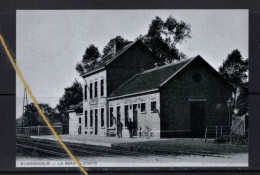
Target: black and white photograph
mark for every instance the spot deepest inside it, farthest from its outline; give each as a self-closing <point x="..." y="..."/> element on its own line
<point x="133" y="88"/>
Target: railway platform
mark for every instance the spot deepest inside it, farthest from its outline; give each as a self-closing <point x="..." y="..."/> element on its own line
<point x="97" y="140"/>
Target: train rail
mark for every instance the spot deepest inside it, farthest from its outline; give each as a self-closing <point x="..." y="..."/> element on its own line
<point x="81" y="150"/>
<point x="43" y="147"/>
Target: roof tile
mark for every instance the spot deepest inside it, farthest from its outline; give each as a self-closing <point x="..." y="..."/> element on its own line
<point x="149" y="79"/>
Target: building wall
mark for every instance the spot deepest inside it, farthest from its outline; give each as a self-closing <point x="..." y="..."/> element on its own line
<point x="132" y="61"/>
<point x="74" y="123"/>
<point x="95" y="103"/>
<point x="148" y="118"/>
<point x="175" y="95"/>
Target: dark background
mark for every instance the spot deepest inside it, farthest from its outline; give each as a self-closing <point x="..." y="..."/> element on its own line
<point x="7" y="78"/>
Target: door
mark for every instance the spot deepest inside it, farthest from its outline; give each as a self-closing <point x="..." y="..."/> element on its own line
<point x="197" y="118"/>
<point x="96" y="122"/>
<point x="135" y="119"/>
<point x="79" y="129"/>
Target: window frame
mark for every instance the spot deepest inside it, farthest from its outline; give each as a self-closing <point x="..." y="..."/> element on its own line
<point x="94" y="119"/>
<point x="91" y="90"/>
<point x="95" y="89"/>
<point x="118" y="112"/>
<point x="143" y="112"/>
<point x="86" y="119"/>
<point x="85" y="92"/>
<point x="111" y="112"/>
<point x="102" y="87"/>
<point x="126" y="116"/>
<point x="91" y="118"/>
<point x="152" y="111"/>
<point x="102" y="117"/>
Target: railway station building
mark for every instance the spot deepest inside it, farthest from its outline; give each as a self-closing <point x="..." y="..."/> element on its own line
<point x="175" y="100"/>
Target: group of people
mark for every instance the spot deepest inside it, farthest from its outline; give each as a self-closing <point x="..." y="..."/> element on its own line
<point x="130" y="127"/>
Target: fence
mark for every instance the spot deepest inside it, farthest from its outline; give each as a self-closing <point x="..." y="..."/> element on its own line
<point x="37" y="130"/>
<point x="216" y="131"/>
<point x="239" y="125"/>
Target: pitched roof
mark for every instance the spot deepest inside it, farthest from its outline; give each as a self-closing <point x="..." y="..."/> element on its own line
<point x="107" y="59"/>
<point x="150" y="79"/>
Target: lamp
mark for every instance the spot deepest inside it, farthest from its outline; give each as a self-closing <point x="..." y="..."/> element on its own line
<point x="229" y="102"/>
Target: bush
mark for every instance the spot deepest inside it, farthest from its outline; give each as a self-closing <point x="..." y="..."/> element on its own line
<point x="236" y="139"/>
<point x="239" y="140"/>
<point x="223" y="139"/>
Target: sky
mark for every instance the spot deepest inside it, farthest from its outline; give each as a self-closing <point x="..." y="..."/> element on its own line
<point x="49" y="43"/>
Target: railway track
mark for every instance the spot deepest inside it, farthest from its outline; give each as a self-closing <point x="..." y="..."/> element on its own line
<point x="52" y="148"/>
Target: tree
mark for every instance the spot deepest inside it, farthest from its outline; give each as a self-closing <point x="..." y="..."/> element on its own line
<point x="120" y="43"/>
<point x="242" y="100"/>
<point x="235" y="71"/>
<point x="163" y="36"/>
<point x="72" y="96"/>
<point x="89" y="59"/>
<point x="33" y="118"/>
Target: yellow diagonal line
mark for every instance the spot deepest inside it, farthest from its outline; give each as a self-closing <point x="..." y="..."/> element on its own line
<point x="38" y="107"/>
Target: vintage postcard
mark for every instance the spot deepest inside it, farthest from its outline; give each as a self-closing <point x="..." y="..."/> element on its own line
<point x="133" y="88"/>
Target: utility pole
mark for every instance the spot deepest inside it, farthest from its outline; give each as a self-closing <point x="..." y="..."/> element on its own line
<point x="25" y="103"/>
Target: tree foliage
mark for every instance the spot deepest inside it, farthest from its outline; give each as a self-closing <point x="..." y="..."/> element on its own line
<point x="118" y="41"/>
<point x="242" y="100"/>
<point x="32" y="117"/>
<point x="72" y="96"/>
<point x="235" y="71"/>
<point x="163" y="36"/>
<point x="89" y="59"/>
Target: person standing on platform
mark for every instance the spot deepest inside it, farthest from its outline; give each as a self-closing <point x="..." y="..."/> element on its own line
<point x="119" y="128"/>
<point x="130" y="128"/>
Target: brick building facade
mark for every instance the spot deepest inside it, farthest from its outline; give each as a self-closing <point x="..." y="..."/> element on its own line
<point x="175" y="100"/>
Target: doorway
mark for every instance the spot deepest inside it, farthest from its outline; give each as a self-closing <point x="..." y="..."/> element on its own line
<point x="135" y="119"/>
<point x="197" y="118"/>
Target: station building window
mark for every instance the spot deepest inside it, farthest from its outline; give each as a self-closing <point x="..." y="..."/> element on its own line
<point x="96" y="90"/>
<point x="91" y="118"/>
<point x="118" y="113"/>
<point x="126" y="115"/>
<point x="102" y="117"/>
<point x="86" y="119"/>
<point x="143" y="107"/>
<point x="85" y="92"/>
<point x="91" y="90"/>
<point x="102" y="88"/>
<point x="153" y="106"/>
<point x="111" y="116"/>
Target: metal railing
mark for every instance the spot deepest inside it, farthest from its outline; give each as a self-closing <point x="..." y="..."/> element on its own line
<point x="37" y="130"/>
<point x="216" y="131"/>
